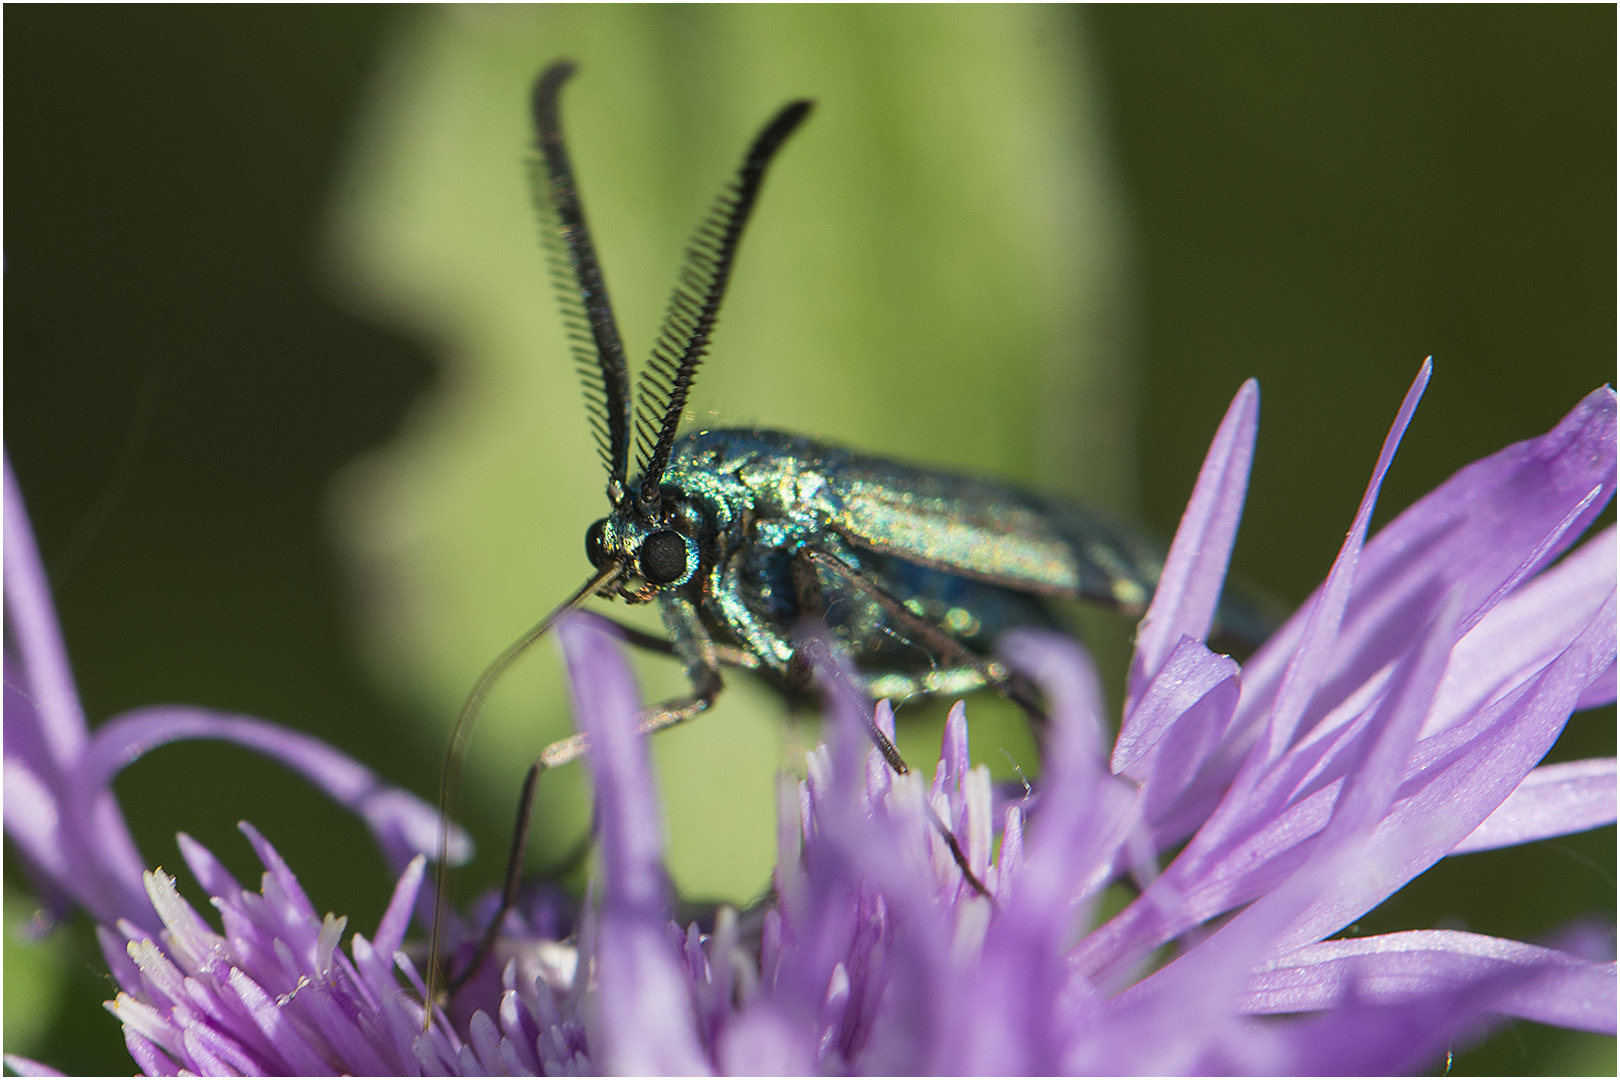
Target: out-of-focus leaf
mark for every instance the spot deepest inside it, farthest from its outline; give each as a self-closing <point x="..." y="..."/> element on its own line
<point x="35" y="978"/>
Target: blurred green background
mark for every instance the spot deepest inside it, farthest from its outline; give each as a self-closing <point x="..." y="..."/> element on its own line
<point x="285" y="402"/>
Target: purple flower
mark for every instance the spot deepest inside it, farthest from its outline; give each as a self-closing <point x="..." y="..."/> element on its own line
<point x="61" y="813"/>
<point x="1398" y="717"/>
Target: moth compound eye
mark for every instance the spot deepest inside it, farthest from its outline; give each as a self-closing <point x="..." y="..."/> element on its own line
<point x="593" y="544"/>
<point x="663" y="557"/>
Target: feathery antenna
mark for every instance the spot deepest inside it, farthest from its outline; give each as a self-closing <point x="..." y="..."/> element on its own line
<point x="593" y="334"/>
<point x="684" y="336"/>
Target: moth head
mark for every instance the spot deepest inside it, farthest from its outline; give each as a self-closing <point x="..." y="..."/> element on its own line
<point x="660" y="555"/>
<point x="638" y="539"/>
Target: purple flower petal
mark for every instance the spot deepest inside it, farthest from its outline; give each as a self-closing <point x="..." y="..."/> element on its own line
<point x="1175" y="728"/>
<point x="1200" y="985"/>
<point x="1523" y="633"/>
<point x="34" y="820"/>
<point x="644" y="1020"/>
<point x="209" y="871"/>
<point x="59" y="806"/>
<point x="275" y="1026"/>
<point x="1445" y="796"/>
<point x="1357" y="1038"/>
<point x="1190" y="585"/>
<point x="953" y="752"/>
<point x="1600" y="692"/>
<point x="1085" y="813"/>
<point x="45" y="734"/>
<point x="1309" y="663"/>
<point x="1440" y="809"/>
<point x="403" y="824"/>
<point x="152" y="1061"/>
<point x="1009" y="1012"/>
<point x="196" y="948"/>
<point x="763" y="1043"/>
<point x="1479" y="528"/>
<point x="32" y="617"/>
<point x="396" y="919"/>
<point x="1263" y="819"/>
<point x="1553" y="800"/>
<point x="1391" y="969"/>
<point x="1283" y="677"/>
<point x="1488" y="524"/>
<point x="629" y="819"/>
<point x="28" y="1066"/>
<point x="115" y="949"/>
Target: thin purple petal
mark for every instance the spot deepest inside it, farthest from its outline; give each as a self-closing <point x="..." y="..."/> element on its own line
<point x="397" y="917"/>
<point x="1523" y="633"/>
<point x="1553" y="800"/>
<point x="1308" y="665"/>
<point x="629" y="818"/>
<point x="403" y="824"/>
<point x="152" y="1061"/>
<point x="28" y="1066"/>
<point x="1010" y="1012"/>
<point x="1477" y="529"/>
<point x="1360" y="1039"/>
<point x="1199" y="986"/>
<point x="1190" y="585"/>
<point x="1450" y="801"/>
<point x="763" y="1043"/>
<point x="644" y="1018"/>
<point x="32" y="619"/>
<point x="33" y="816"/>
<point x="85" y="854"/>
<point x="1176" y="726"/>
<point x="1555" y="988"/>
<point x="1600" y="692"/>
<point x="1084" y="812"/>
<point x="209" y="871"/>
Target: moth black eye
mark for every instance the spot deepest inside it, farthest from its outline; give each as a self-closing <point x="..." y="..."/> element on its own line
<point x="663" y="557"/>
<point x="593" y="544"/>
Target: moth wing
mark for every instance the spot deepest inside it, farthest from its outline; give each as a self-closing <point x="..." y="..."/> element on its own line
<point x="993" y="532"/>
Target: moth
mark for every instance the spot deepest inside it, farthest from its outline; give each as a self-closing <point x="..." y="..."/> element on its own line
<point x="739" y="535"/>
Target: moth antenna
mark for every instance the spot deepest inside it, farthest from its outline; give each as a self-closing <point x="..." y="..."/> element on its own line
<point x="456" y="753"/>
<point x="689" y="320"/>
<point x="593" y="333"/>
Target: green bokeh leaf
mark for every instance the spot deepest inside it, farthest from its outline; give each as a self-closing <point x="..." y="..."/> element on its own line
<point x="35" y="976"/>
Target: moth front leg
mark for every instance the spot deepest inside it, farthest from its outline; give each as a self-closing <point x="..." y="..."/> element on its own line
<point x="727" y="655"/>
<point x="690" y="641"/>
<point x="697" y="652"/>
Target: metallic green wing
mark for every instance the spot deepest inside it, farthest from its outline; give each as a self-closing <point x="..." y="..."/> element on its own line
<point x="991" y="531"/>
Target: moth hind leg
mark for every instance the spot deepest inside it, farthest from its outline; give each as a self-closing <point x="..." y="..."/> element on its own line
<point x="1009" y="684"/>
<point x="811" y="602"/>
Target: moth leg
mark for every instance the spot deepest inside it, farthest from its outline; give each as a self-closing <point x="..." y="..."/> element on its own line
<point x="514" y="871"/>
<point x="562" y="752"/>
<point x="725" y="655"/>
<point x="1009" y="684"/>
<point x="702" y="657"/>
<point x="558" y="753"/>
<point x="811" y="602"/>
